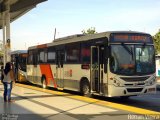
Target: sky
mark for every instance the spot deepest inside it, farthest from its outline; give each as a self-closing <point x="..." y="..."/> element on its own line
<point x="72" y="16"/>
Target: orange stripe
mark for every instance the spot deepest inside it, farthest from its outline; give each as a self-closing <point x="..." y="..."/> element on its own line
<point x="46" y="70"/>
<point x="42" y="46"/>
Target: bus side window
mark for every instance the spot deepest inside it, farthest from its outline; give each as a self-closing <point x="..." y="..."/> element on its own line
<point x="51" y="56"/>
<point x="42" y="55"/>
<point x="73" y="53"/>
<point x="30" y="57"/>
<point x="85" y="53"/>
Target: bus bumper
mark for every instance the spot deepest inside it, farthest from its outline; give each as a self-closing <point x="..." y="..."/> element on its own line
<point x="114" y="91"/>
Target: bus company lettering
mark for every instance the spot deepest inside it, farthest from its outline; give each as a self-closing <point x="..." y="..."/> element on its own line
<point x="85" y="66"/>
<point x="68" y="73"/>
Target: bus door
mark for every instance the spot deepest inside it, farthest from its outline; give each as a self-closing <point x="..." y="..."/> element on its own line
<point x="97" y="69"/>
<point x="35" y="67"/>
<point x="59" y="68"/>
<point x="16" y="67"/>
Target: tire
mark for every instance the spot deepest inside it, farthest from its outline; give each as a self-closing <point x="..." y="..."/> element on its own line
<point x="44" y="84"/>
<point x="85" y="89"/>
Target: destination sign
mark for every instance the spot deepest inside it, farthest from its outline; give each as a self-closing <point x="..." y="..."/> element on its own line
<point x="131" y="38"/>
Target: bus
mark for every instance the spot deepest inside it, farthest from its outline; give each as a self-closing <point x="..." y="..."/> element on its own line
<point x="117" y="63"/>
<point x="19" y="60"/>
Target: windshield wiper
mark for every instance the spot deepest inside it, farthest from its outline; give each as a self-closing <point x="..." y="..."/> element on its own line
<point x="144" y="46"/>
<point x="128" y="50"/>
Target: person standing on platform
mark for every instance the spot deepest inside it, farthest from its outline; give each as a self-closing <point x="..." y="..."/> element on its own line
<point x="8" y="81"/>
<point x="2" y="74"/>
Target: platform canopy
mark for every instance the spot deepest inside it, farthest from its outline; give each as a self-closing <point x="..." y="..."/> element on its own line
<point x="17" y="8"/>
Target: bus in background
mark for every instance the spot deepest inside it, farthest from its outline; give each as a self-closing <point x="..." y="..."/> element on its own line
<point x="19" y="60"/>
<point x="120" y="63"/>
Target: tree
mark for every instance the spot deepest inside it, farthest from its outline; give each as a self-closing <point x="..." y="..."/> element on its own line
<point x="156" y="39"/>
<point x="89" y="31"/>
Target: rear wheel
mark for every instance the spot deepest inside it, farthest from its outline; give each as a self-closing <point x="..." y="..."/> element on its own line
<point x="44" y="83"/>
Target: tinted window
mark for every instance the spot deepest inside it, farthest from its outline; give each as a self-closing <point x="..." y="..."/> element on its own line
<point x="30" y="57"/>
<point x="42" y="56"/>
<point x="132" y="59"/>
<point x="73" y="51"/>
<point x="85" y="53"/>
<point x="51" y="55"/>
<point x="35" y="57"/>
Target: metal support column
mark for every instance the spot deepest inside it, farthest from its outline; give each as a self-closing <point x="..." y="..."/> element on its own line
<point x="4" y="38"/>
<point x="8" y="45"/>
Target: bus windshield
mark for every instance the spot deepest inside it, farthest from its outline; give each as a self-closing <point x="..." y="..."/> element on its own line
<point x="132" y="59"/>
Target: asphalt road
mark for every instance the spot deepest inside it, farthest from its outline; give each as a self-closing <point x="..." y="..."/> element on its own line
<point x="149" y="102"/>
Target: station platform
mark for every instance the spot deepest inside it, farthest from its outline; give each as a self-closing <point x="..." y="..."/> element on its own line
<point x="36" y="105"/>
<point x="42" y="104"/>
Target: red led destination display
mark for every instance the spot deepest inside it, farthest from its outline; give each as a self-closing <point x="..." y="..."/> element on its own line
<point x="131" y="38"/>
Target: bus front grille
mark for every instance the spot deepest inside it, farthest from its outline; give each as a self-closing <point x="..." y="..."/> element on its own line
<point x="140" y="84"/>
<point x="134" y="89"/>
<point x="133" y="79"/>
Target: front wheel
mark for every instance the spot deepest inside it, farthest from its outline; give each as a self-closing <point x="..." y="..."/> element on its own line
<point x="85" y="89"/>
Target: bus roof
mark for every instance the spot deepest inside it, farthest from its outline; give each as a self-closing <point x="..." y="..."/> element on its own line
<point x="90" y="36"/>
<point x="18" y="52"/>
<point x="83" y="37"/>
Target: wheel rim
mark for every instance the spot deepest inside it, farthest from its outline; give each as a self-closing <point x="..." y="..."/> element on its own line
<point x="44" y="83"/>
<point x="85" y="89"/>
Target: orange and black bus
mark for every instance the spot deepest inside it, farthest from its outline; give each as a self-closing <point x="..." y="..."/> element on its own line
<point x="19" y="60"/>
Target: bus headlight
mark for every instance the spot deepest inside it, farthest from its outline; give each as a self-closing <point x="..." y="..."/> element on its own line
<point x="151" y="81"/>
<point x="117" y="83"/>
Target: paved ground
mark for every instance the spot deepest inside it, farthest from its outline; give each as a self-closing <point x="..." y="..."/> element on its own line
<point x="35" y="105"/>
<point x="32" y="103"/>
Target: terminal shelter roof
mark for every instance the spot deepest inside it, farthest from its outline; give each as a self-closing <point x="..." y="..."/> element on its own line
<point x="17" y="8"/>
